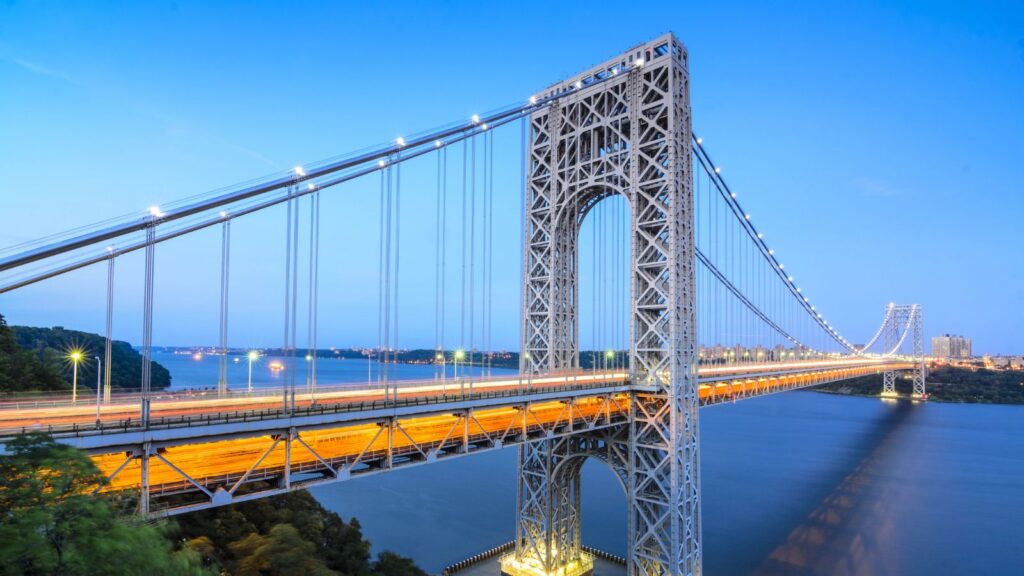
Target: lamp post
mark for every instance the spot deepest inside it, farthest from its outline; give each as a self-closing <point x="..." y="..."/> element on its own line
<point x="99" y="388"/>
<point x="253" y="356"/>
<point x="459" y="355"/>
<point x="76" y="356"/>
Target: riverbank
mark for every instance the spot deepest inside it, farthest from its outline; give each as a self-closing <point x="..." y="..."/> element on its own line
<point x="950" y="384"/>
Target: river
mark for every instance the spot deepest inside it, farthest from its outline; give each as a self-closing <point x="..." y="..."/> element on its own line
<point x="794" y="483"/>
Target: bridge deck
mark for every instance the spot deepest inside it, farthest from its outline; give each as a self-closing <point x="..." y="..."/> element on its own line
<point x="208" y="451"/>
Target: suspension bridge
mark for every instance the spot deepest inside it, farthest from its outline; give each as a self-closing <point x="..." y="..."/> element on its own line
<point x="689" y="307"/>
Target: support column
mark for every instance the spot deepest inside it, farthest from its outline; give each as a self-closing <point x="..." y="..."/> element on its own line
<point x="891" y="333"/>
<point x="917" y="322"/>
<point x="628" y="135"/>
<point x="548" y="523"/>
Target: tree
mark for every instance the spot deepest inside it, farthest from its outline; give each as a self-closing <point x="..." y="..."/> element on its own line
<point x="53" y="522"/>
<point x="391" y="564"/>
<point x="51" y="346"/>
<point x="282" y="551"/>
<point x="20" y="370"/>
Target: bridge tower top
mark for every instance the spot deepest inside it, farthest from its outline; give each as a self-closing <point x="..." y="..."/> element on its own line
<point x="666" y="44"/>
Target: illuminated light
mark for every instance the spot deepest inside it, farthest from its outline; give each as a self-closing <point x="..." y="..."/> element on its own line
<point x="439" y="356"/>
<point x="381" y="163"/>
<point x="223" y="214"/>
<point x="615" y="71"/>
<point x="484" y="126"/>
<point x="237" y="360"/>
<point x="460" y="354"/>
<point x="437" y="143"/>
<point x="771" y="252"/>
<point x="75" y="355"/>
<point x="310" y="186"/>
<point x="253" y="355"/>
<point x="782" y="266"/>
<point x="747" y="216"/>
<point x="533" y="99"/>
<point x="400" y="141"/>
<point x="309" y="357"/>
<point x="733" y="194"/>
<point x="798" y="289"/>
<point x="718" y="170"/>
<point x="609" y="354"/>
<point x="155" y="212"/>
<point x="276" y="366"/>
<point x="700" y="141"/>
<point x="299" y="171"/>
<point x="579" y="84"/>
<point x="475" y="119"/>
<point x="197" y="356"/>
<point x="110" y="248"/>
<point x="759" y="235"/>
<point x="639" y="62"/>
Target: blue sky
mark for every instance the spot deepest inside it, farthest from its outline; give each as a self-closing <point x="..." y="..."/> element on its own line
<point x="878" y="144"/>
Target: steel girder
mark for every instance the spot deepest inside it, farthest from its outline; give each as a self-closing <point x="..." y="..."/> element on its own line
<point x="179" y="476"/>
<point x="628" y="136"/>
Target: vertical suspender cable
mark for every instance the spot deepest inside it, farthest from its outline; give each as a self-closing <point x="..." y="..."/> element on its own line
<point x="398" y="229"/>
<point x="387" y="281"/>
<point x="107" y="350"/>
<point x="147" y="320"/>
<point x="483" y="263"/>
<point x="380" y="284"/>
<point x="444" y="253"/>
<point x="472" y="257"/>
<point x="314" y="291"/>
<point x="490" y="261"/>
<point x="287" y="289"/>
<point x="437" y="272"/>
<point x="225" y="254"/>
<point x="462" y="295"/>
<point x="295" y="303"/>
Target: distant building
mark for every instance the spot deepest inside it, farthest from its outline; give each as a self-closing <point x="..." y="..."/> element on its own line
<point x="951" y="346"/>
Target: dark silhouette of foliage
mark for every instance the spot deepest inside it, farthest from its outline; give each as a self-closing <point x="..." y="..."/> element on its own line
<point x="20" y="369"/>
<point x="946" y="384"/>
<point x="51" y="522"/>
<point x="286" y="534"/>
<point x="50" y="347"/>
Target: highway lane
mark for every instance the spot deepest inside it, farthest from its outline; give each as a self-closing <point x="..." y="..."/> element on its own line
<point x="15" y="417"/>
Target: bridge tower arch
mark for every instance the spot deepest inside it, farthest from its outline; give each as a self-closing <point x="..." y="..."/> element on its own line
<point x="629" y="133"/>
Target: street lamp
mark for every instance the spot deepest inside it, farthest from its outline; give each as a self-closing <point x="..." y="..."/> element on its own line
<point x="76" y="357"/>
<point x="608" y="356"/>
<point x="459" y="355"/>
<point x="253" y="356"/>
<point x="99" y="371"/>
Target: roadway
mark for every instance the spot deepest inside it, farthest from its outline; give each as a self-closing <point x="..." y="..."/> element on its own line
<point x="59" y="415"/>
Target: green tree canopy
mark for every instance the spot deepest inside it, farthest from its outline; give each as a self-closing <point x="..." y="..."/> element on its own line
<point x="50" y="348"/>
<point x="20" y="370"/>
<point x="52" y="522"/>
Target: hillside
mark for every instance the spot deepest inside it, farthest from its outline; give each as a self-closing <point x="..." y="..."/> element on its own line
<point x="35" y="359"/>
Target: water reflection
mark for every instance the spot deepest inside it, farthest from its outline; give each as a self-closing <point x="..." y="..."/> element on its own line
<point x="850" y="531"/>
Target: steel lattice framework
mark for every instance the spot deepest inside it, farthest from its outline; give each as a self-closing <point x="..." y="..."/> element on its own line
<point x="631" y="136"/>
<point x="901" y="321"/>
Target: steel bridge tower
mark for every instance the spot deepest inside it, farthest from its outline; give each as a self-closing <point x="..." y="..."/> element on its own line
<point x="630" y="135"/>
<point x="903" y="321"/>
